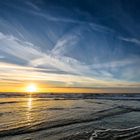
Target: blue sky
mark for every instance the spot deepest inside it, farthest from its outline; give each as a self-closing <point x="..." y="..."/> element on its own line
<point x="77" y="43"/>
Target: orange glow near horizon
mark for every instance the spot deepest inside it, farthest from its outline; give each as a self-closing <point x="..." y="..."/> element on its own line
<point x="43" y="88"/>
<point x="16" y="78"/>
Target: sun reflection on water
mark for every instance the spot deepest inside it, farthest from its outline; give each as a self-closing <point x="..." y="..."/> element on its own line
<point x="29" y="109"/>
<point x="29" y="103"/>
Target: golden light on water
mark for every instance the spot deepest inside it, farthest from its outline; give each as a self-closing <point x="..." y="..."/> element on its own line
<point x="31" y="88"/>
<point x="29" y="108"/>
<point x="29" y="103"/>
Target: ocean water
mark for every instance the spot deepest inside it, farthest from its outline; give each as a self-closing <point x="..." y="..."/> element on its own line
<point x="69" y="116"/>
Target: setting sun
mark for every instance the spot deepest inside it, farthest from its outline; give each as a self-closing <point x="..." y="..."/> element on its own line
<point x="31" y="88"/>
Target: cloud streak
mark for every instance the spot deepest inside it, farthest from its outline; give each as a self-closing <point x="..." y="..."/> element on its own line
<point x="55" y="59"/>
<point x="131" y="40"/>
<point x="66" y="45"/>
<point x="22" y="74"/>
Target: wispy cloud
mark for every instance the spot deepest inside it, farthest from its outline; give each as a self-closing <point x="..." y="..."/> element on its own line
<point x="116" y="63"/>
<point x="64" y="44"/>
<point x="56" y="59"/>
<point x="131" y="40"/>
<point x="21" y="74"/>
<point x="67" y="45"/>
<point x="33" y="56"/>
<point x="32" y="5"/>
<point x="95" y="57"/>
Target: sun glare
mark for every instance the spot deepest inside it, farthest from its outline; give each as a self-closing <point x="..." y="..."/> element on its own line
<point x="31" y="88"/>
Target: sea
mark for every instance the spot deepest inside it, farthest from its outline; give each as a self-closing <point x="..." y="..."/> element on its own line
<point x="63" y="116"/>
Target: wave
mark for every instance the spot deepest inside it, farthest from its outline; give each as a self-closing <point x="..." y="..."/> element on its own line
<point x="65" y="122"/>
<point x="73" y="96"/>
<point x="117" y="134"/>
<point x="107" y="134"/>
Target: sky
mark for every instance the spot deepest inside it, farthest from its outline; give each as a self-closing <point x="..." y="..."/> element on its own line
<point x="70" y="46"/>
